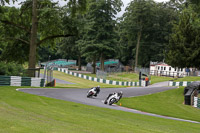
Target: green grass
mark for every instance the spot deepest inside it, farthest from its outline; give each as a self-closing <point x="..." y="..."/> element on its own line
<point x="133" y="77"/>
<point x="26" y="113"/>
<point x="79" y="82"/>
<point x="157" y="79"/>
<point x="189" y="78"/>
<point x="168" y="103"/>
<point x="130" y="77"/>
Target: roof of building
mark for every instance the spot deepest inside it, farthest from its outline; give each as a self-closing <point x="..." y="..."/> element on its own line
<point x="108" y="63"/>
<point x="58" y="63"/>
<point x="159" y="64"/>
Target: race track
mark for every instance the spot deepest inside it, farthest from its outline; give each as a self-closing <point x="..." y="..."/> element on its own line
<point x="79" y="96"/>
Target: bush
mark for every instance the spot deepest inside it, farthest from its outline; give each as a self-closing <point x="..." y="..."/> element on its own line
<point x="11" y="69"/>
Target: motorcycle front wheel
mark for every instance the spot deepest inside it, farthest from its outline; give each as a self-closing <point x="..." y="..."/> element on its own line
<point x="89" y="94"/>
<point x="113" y="100"/>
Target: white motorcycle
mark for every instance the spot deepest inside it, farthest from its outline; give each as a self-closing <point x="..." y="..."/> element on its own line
<point x="93" y="91"/>
<point x="113" y="98"/>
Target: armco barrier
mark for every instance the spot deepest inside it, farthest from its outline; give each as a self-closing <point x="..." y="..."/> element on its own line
<point x="21" y="81"/>
<point x="141" y="83"/>
<point x="183" y="83"/>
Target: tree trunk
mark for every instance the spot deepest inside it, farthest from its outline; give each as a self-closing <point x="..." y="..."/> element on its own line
<point x="102" y="62"/>
<point x="137" y="48"/>
<point x="79" y="62"/>
<point x="33" y="45"/>
<point x="94" y="65"/>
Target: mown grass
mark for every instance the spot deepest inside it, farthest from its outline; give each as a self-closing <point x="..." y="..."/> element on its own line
<point x="188" y="78"/>
<point x="79" y="82"/>
<point x="157" y="79"/>
<point x="168" y="103"/>
<point x="26" y="113"/>
<point x="130" y="77"/>
<point x="133" y="77"/>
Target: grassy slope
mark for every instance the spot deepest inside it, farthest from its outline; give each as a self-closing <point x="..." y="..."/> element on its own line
<point x="133" y="77"/>
<point x="168" y="103"/>
<point x="189" y="78"/>
<point x="157" y="79"/>
<point x="79" y="82"/>
<point x="26" y="113"/>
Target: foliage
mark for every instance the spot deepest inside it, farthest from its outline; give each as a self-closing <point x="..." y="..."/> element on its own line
<point x="17" y="23"/>
<point x="99" y="38"/>
<point x="70" y="48"/>
<point x="11" y="69"/>
<point x="2" y="2"/>
<point x="150" y="20"/>
<point x="184" y="47"/>
<point x="36" y="22"/>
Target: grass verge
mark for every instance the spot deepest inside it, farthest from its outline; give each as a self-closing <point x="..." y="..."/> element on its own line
<point x="79" y="82"/>
<point x="168" y="103"/>
<point x="157" y="79"/>
<point x="133" y="77"/>
<point x="26" y="113"/>
<point x="189" y="78"/>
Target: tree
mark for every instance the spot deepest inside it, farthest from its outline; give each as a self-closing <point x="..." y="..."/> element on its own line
<point x="37" y="35"/>
<point x="144" y="31"/>
<point x="184" y="47"/>
<point x="100" y="39"/>
<point x="2" y="2"/>
<point x="71" y="47"/>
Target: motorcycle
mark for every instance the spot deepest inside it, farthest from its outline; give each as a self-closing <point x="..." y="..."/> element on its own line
<point x="93" y="91"/>
<point x="113" y="98"/>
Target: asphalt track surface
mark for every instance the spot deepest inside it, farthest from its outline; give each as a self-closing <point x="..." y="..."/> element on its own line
<point x="57" y="80"/>
<point x="79" y="96"/>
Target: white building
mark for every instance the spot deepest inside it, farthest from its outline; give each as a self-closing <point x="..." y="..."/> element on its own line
<point x="163" y="69"/>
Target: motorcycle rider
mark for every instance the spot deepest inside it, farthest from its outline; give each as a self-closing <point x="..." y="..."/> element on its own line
<point x="97" y="89"/>
<point x="118" y="93"/>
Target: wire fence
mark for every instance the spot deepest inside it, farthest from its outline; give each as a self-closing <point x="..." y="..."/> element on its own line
<point x="142" y="70"/>
<point x="101" y="74"/>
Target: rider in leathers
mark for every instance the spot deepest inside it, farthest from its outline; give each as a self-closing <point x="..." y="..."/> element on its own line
<point x="118" y="93"/>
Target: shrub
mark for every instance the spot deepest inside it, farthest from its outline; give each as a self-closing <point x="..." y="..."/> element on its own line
<point x="11" y="69"/>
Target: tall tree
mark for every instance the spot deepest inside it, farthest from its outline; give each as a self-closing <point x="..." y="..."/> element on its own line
<point x="71" y="47"/>
<point x="33" y="39"/>
<point x="46" y="9"/>
<point x="100" y="37"/>
<point x="184" y="48"/>
<point x="144" y="31"/>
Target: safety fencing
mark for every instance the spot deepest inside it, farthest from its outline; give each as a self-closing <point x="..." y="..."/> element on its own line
<point x="21" y="81"/>
<point x="140" y="83"/>
<point x="196" y="102"/>
<point x="182" y="83"/>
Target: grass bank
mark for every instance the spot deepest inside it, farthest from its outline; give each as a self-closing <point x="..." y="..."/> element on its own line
<point x="168" y="103"/>
<point x="133" y="77"/>
<point x="26" y="113"/>
<point x="79" y="82"/>
<point x="189" y="78"/>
